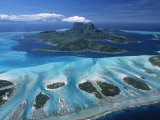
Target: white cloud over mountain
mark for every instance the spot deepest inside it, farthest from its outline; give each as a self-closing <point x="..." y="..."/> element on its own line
<point x="76" y="19"/>
<point x="43" y="17"/>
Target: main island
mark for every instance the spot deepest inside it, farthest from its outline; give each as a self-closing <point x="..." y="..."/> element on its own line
<point x="82" y="37"/>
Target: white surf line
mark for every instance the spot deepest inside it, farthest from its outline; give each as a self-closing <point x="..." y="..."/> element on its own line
<point x="141" y="32"/>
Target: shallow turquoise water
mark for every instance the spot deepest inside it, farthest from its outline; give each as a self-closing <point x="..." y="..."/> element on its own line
<point x="31" y="72"/>
<point x="142" y="32"/>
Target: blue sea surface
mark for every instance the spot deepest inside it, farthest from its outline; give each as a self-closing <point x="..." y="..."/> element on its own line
<point x="18" y="53"/>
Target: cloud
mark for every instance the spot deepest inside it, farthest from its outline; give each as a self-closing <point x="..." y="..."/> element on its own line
<point x="3" y="16"/>
<point x="76" y="19"/>
<point x="43" y="17"/>
<point x="32" y="17"/>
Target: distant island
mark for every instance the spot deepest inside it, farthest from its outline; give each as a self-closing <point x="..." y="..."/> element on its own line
<point x="157" y="37"/>
<point x="81" y="37"/>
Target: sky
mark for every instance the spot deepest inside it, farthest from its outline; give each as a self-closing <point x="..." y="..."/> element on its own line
<point x="117" y="11"/>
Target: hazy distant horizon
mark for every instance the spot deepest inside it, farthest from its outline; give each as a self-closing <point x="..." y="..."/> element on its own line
<point x="25" y="27"/>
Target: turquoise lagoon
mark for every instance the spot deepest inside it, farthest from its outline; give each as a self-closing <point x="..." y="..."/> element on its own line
<point x="31" y="70"/>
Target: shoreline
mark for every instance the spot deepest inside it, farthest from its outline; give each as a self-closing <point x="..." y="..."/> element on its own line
<point x="105" y="113"/>
<point x="103" y="109"/>
<point x="81" y="51"/>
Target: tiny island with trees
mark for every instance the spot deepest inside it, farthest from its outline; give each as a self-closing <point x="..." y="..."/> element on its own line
<point x="40" y="100"/>
<point x="136" y="83"/>
<point x="55" y="85"/>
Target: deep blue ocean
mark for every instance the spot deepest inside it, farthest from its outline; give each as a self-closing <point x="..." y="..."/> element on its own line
<point x="146" y="46"/>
